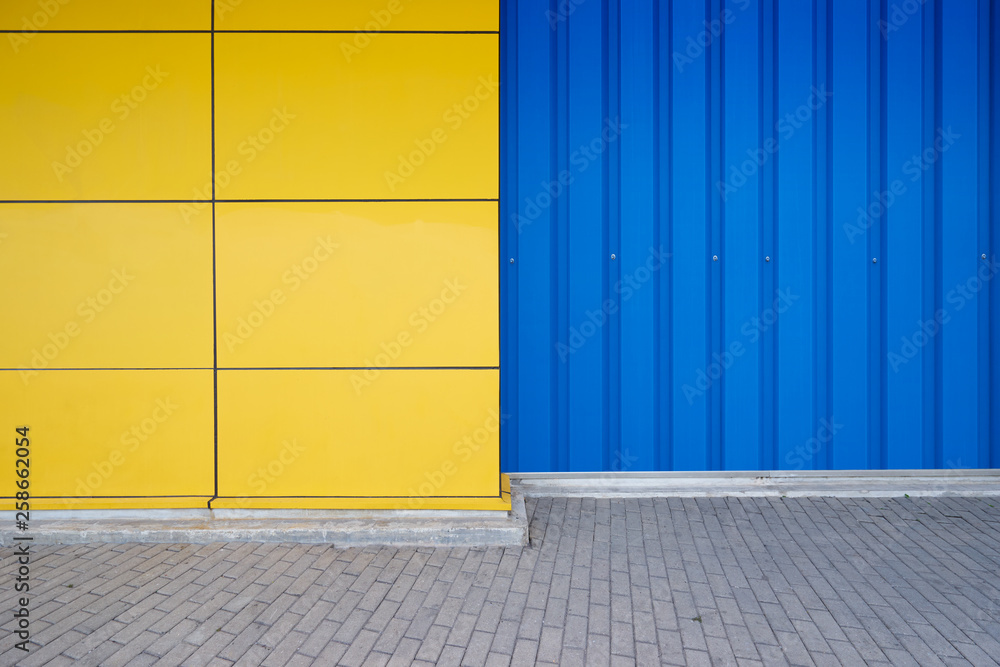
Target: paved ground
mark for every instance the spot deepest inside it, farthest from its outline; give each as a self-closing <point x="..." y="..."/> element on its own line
<point x="675" y="581"/>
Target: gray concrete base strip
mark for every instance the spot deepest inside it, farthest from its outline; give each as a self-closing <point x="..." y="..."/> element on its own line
<point x="352" y="529"/>
<point x="791" y="484"/>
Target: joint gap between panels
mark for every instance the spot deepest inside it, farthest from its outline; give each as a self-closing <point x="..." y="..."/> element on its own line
<point x="237" y="32"/>
<point x="241" y="201"/>
<point x="358" y="32"/>
<point x="500" y="497"/>
<point x="356" y="368"/>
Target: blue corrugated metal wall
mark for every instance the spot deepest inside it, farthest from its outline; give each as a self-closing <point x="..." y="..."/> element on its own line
<point x="824" y="178"/>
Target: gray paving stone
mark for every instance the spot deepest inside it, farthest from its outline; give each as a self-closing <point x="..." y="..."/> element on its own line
<point x="242" y="642"/>
<point x="525" y="651"/>
<point x="319" y="638"/>
<point x="433" y="643"/>
<point x="770" y="582"/>
<point x="497" y="660"/>
<point x="451" y="656"/>
<point x="126" y="653"/>
<point x="331" y="653"/>
<point x="359" y="649"/>
<point x="405" y="653"/>
<point x="505" y="638"/>
<point x="598" y="649"/>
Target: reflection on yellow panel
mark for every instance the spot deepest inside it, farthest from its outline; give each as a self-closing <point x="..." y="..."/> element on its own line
<point x="113" y="433"/>
<point x="357" y="284"/>
<point x="409" y="433"/>
<point x="414" y="116"/>
<point x="104" y="285"/>
<point x="106" y="116"/>
<point x="370" y="16"/>
<point x="27" y="16"/>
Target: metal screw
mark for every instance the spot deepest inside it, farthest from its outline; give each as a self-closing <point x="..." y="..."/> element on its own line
<point x="612" y="255"/>
<point x="767" y="259"/>
<point x="511" y="260"/>
<point x="983" y="256"/>
<point x="715" y="258"/>
<point x="874" y="260"/>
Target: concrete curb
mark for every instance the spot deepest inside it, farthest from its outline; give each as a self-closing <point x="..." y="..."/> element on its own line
<point x="355" y="528"/>
<point x="812" y="483"/>
<point x="440" y="529"/>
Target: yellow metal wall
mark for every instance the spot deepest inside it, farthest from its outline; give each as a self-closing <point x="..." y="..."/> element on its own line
<point x="248" y="252"/>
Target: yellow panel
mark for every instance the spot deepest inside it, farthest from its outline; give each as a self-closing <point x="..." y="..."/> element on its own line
<point x="27" y="16"/>
<point x="368" y="16"/>
<point x="106" y="116"/>
<point x="410" y="434"/>
<point x="104" y="285"/>
<point x="357" y="284"/>
<point x="113" y="433"/>
<point x="413" y="117"/>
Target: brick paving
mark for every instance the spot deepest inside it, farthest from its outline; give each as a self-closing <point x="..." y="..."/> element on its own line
<point x="725" y="581"/>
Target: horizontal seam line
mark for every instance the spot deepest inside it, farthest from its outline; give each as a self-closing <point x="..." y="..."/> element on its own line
<point x="207" y="495"/>
<point x="259" y="32"/>
<point x="356" y="368"/>
<point x="229" y="201"/>
<point x="264" y="368"/>
<point x="235" y="497"/>
<point x="110" y="368"/>
<point x="358" y="497"/>
<point x="364" y="32"/>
